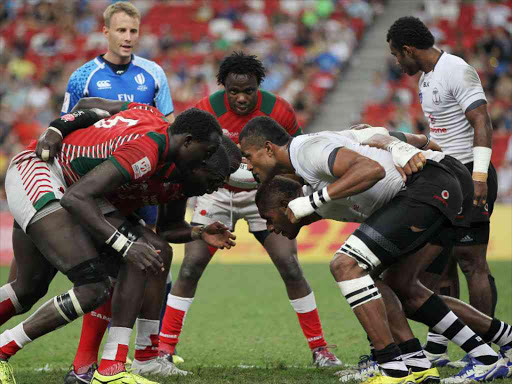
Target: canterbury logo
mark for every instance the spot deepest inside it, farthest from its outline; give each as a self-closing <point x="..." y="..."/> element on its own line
<point x="103" y="84"/>
<point x="139" y="79"/>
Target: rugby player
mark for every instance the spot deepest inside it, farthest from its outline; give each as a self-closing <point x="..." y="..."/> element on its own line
<point x="398" y="219"/>
<point x="138" y="144"/>
<point x="171" y="200"/>
<point x="240" y="101"/>
<point x="455" y="106"/>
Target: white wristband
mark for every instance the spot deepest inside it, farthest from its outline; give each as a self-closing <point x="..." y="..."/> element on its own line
<point x="130" y="243"/>
<point x="55" y="130"/>
<point x="481" y="159"/>
<point x="120" y="243"/>
<point x="402" y="152"/>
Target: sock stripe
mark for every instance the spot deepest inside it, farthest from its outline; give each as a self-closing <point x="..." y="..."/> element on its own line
<point x="446" y="322"/>
<point x="464" y="335"/>
<point x="505" y="329"/>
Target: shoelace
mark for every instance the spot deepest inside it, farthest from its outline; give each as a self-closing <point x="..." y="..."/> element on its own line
<point x="365" y="359"/>
<point x="325" y="351"/>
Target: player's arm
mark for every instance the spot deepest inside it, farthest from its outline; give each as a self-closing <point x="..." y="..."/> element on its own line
<point x="50" y="141"/>
<point x="482" y="150"/>
<point x="172" y="227"/>
<point x="79" y="201"/>
<point x="111" y="106"/>
<point x="355" y="174"/>
<point x="466" y="88"/>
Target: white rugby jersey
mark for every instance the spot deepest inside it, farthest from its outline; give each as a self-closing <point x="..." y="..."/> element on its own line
<point x="309" y="155"/>
<point x="445" y="94"/>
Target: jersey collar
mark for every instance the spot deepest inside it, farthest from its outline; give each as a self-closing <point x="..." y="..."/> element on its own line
<point x="116" y="67"/>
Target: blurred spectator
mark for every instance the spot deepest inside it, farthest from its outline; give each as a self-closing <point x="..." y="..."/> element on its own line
<point x="505" y="177"/>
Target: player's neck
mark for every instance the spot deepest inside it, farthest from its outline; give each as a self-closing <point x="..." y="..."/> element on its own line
<point x="283" y="159"/>
<point x="116" y="59"/>
<point x="429" y="59"/>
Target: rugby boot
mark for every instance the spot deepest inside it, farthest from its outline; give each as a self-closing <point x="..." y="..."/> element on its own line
<point x="506" y="353"/>
<point x="6" y="374"/>
<point x="359" y="375"/>
<point x="322" y="357"/>
<point x="476" y="371"/>
<point x="428" y="376"/>
<point x="81" y="376"/>
<point x="120" y="378"/>
<point x="460" y="363"/>
<point x="160" y="366"/>
<point x="437" y="359"/>
<point x="382" y="379"/>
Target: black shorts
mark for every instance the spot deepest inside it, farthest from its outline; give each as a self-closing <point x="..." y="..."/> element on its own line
<point x="416" y="216"/>
<point x="478" y="217"/>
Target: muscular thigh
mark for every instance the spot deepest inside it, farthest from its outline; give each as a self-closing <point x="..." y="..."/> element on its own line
<point x="32" y="267"/>
<point x="400" y="228"/>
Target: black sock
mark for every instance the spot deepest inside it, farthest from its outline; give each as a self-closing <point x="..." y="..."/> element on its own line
<point x="390" y="361"/>
<point x="413" y="356"/>
<point x="436" y="314"/>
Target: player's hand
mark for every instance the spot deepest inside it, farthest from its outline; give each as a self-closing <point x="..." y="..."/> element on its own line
<point x="145" y="257"/>
<point x="480" y="195"/>
<point x="291" y="216"/>
<point x="402" y="173"/>
<point x="48" y="145"/>
<point x="415" y="164"/>
<point x="357" y="127"/>
<point x="218" y="235"/>
<point x="410" y="158"/>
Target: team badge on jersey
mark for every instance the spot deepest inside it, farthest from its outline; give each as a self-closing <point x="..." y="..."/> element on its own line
<point x="436" y="97"/>
<point x="140" y="79"/>
<point x="141" y="167"/>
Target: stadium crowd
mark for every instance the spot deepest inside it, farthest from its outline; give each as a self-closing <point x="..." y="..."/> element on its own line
<point x="305" y="45"/>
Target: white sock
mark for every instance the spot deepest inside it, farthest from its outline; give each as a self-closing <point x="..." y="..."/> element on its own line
<point x="181" y="303"/>
<point x="304" y="304"/>
<point x="117" y="343"/>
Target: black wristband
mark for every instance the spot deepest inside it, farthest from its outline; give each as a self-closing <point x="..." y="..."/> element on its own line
<point x="75" y="120"/>
<point x="399" y="135"/>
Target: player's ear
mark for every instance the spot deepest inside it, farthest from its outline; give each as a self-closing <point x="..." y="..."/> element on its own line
<point x="188" y="141"/>
<point x="408" y="50"/>
<point x="105" y="30"/>
<point x="269" y="148"/>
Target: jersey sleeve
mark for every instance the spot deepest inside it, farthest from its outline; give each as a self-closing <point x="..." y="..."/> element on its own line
<point x="465" y="85"/>
<point x="137" y="160"/>
<point x="74" y="92"/>
<point x="285" y="115"/>
<point x="312" y="158"/>
<point x="163" y="99"/>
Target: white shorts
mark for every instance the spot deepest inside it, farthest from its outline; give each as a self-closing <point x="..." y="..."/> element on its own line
<point x="228" y="207"/>
<point x="30" y="184"/>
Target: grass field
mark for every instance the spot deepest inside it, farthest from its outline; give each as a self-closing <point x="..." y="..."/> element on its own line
<point x="242" y="329"/>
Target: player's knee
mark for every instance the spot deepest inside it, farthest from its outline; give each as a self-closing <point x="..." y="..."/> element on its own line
<point x="290" y="271"/>
<point x="166" y="252"/>
<point x="344" y="267"/>
<point x="191" y="272"/>
<point x="472" y="261"/>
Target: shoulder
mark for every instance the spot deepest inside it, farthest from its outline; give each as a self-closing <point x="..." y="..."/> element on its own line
<point x="453" y="66"/>
<point x="148" y="65"/>
<point x="215" y="103"/>
<point x="81" y="74"/>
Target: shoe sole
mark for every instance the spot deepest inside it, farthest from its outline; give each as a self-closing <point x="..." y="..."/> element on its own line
<point x="428" y="379"/>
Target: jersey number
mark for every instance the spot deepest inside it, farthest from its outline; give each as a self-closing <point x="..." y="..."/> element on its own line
<point x="109" y="123"/>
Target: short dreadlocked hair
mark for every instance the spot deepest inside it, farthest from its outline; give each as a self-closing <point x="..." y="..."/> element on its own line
<point x="200" y="124"/>
<point x="261" y="129"/>
<point x="410" y="31"/>
<point x="241" y="64"/>
<point x="234" y="154"/>
<point x="273" y="191"/>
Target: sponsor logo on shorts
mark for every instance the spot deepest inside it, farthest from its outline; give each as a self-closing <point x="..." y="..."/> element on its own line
<point x="445" y="195"/>
<point x="141" y="167"/>
<point x="103" y="84"/>
<point x="466" y="239"/>
<point x="442" y="200"/>
<point x="486" y="207"/>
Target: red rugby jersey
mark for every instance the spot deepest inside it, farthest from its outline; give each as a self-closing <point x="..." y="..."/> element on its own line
<point x="134" y="140"/>
<point x="268" y="105"/>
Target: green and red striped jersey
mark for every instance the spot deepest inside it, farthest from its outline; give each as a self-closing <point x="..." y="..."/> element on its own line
<point x="134" y="140"/>
<point x="268" y="105"/>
